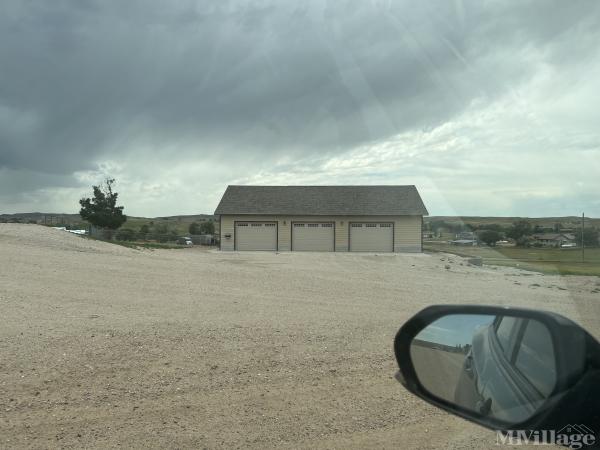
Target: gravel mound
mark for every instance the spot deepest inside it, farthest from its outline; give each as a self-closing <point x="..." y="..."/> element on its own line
<point x="39" y="236"/>
<point x="102" y="346"/>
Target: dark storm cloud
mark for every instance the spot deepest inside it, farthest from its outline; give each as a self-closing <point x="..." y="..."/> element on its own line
<point x="86" y="81"/>
<point x="81" y="79"/>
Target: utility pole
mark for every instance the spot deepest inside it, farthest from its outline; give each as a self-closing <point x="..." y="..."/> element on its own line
<point x="582" y="241"/>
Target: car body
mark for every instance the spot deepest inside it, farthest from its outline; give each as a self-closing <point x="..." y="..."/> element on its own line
<point x="509" y="370"/>
<point x="524" y="369"/>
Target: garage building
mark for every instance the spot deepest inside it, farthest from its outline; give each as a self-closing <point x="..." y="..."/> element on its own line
<point x="321" y="218"/>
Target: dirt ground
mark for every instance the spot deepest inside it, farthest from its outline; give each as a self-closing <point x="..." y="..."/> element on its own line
<point x="105" y="346"/>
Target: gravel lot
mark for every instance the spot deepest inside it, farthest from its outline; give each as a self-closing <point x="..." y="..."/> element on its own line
<point x="105" y="346"/>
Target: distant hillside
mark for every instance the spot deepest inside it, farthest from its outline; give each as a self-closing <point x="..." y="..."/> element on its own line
<point x="190" y="218"/>
<point x="39" y="217"/>
<point x="180" y="224"/>
<point x="565" y="221"/>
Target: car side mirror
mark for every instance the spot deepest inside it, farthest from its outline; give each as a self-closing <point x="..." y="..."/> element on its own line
<point x="503" y="368"/>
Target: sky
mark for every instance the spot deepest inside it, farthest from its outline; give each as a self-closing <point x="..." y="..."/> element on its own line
<point x="488" y="107"/>
<point x="454" y="329"/>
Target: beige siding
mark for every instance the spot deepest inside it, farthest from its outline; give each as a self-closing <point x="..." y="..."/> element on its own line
<point x="407" y="234"/>
<point x="226" y="229"/>
<point x="407" y="229"/>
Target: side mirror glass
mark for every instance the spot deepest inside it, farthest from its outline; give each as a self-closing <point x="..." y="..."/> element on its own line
<point x="501" y="367"/>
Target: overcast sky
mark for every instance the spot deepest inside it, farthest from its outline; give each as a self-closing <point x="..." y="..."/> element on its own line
<point x="490" y="108"/>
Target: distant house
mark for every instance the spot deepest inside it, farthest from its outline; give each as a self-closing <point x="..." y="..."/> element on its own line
<point x="470" y="235"/>
<point x="553" y="239"/>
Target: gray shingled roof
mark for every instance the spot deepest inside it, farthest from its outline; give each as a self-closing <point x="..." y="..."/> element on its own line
<point x="552" y="236"/>
<point x="322" y="200"/>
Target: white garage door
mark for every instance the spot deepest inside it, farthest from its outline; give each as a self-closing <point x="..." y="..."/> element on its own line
<point x="371" y="237"/>
<point x="256" y="236"/>
<point x="313" y="237"/>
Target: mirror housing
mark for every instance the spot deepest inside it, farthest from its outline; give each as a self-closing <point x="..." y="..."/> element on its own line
<point x="576" y="394"/>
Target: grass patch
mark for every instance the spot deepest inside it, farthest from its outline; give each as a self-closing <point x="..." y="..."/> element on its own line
<point x="546" y="260"/>
<point x="158" y="245"/>
<point x="137" y="245"/>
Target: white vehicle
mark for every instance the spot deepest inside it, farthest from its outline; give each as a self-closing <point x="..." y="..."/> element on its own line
<point x="568" y="245"/>
<point x="185" y="240"/>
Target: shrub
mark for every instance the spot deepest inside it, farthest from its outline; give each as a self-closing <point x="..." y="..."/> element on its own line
<point x="520" y="229"/>
<point x="194" y="228"/>
<point x="490" y="237"/>
<point x="126" y="234"/>
<point x="207" y="227"/>
<point x="101" y="210"/>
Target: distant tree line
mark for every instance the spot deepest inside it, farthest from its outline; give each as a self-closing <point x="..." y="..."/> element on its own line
<point x="162" y="232"/>
<point x="520" y="232"/>
<point x="207" y="227"/>
<point x="102" y="211"/>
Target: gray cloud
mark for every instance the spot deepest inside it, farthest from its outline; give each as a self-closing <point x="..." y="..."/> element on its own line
<point x="246" y="85"/>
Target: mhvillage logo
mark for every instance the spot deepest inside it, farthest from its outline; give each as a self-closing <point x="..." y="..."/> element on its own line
<point x="572" y="436"/>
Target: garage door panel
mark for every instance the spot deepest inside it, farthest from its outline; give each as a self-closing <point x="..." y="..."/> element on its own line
<point x="313" y="236"/>
<point x="256" y="236"/>
<point x="371" y="237"/>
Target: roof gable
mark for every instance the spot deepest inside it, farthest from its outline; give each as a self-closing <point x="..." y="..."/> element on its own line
<point x="322" y="200"/>
<point x="552" y="236"/>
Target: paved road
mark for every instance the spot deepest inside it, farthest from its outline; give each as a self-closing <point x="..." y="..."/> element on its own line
<point x="438" y="370"/>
